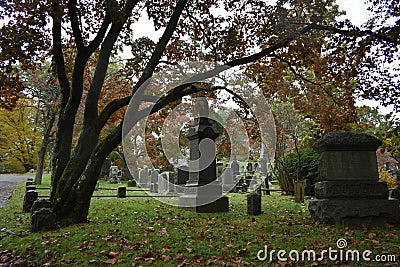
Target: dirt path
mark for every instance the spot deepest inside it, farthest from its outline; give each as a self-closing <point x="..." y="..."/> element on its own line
<point x="8" y="182"/>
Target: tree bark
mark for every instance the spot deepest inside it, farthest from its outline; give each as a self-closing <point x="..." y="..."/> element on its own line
<point x="75" y="208"/>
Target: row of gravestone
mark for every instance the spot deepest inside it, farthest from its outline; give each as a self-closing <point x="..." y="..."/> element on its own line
<point x="230" y="181"/>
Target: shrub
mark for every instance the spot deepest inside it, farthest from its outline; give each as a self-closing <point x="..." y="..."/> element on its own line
<point x="290" y="170"/>
<point x="385" y="176"/>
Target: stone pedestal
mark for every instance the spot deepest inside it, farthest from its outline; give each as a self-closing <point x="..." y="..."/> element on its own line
<point x="348" y="190"/>
<point x="203" y="193"/>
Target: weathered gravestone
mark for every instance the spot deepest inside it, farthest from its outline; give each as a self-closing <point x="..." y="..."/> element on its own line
<point x="43" y="219"/>
<point x="40" y="203"/>
<point x="348" y="190"/>
<point x="154" y="181"/>
<point x="228" y="182"/>
<point x="253" y="183"/>
<point x="163" y="183"/>
<point x="262" y="165"/>
<point x="235" y="166"/>
<point x="254" y="203"/>
<point x="121" y="192"/>
<point x="144" y="178"/>
<point x="203" y="193"/>
<point x="113" y="176"/>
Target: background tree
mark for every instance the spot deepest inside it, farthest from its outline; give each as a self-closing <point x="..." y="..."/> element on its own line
<point x="40" y="86"/>
<point x="19" y="138"/>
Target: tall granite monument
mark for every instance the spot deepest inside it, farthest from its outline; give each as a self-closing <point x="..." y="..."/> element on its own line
<point x="203" y="193"/>
<point x="348" y="190"/>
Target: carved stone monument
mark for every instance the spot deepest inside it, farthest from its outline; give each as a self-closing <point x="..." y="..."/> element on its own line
<point x="203" y="193"/>
<point x="348" y="190"/>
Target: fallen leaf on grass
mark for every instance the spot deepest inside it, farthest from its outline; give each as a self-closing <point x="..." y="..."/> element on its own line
<point x="110" y="261"/>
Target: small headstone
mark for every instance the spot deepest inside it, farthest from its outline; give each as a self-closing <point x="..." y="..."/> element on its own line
<point x="47" y="170"/>
<point x="30" y="197"/>
<point x="121" y="193"/>
<point x="43" y="219"/>
<point x="163" y="184"/>
<point x="40" y="203"/>
<point x="228" y="182"/>
<point x="114" y="175"/>
<point x="262" y="164"/>
<point x="254" y="203"/>
<point x="154" y="181"/>
<point x="144" y="178"/>
<point x="253" y="183"/>
<point x="235" y="167"/>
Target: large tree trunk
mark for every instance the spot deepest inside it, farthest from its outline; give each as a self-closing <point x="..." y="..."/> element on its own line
<point x="75" y="207"/>
<point x="74" y="177"/>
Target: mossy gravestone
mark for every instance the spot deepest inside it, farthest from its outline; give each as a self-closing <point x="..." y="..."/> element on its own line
<point x="348" y="190"/>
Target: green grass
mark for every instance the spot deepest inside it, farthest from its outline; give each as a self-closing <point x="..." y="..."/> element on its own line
<point x="145" y="232"/>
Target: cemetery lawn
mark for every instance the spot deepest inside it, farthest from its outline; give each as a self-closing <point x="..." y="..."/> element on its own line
<point x="145" y="232"/>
